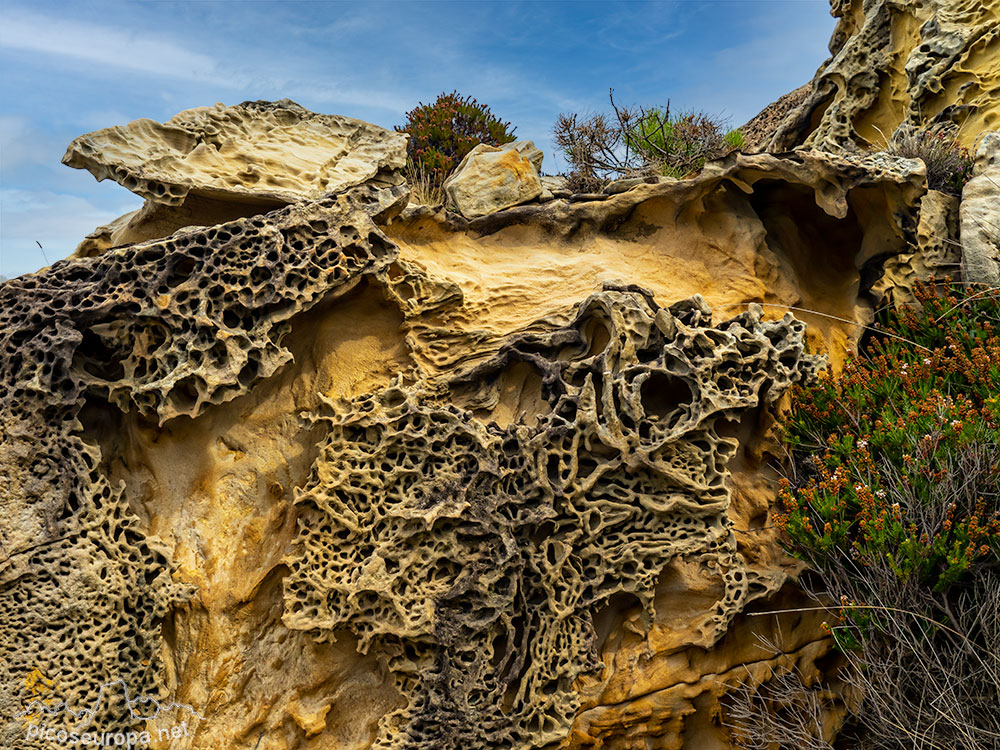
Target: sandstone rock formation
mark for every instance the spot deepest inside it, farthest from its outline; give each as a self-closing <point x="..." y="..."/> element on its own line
<point x="901" y="65"/>
<point x="344" y="475"/>
<point x="980" y="216"/>
<point x="759" y="131"/>
<point x="938" y="253"/>
<point x="209" y="165"/>
<point x="490" y="179"/>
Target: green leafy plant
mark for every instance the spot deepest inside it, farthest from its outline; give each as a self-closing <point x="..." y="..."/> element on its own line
<point x="884" y="439"/>
<point x="735" y="139"/>
<point x="442" y="133"/>
<point x="894" y="502"/>
<point x="678" y="145"/>
<point x="640" y="141"/>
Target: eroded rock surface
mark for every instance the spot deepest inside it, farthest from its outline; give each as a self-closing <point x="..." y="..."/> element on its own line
<point x="268" y="151"/>
<point x="759" y="131"/>
<point x="938" y="253"/>
<point x="158" y="331"/>
<point x="791" y="231"/>
<point x="345" y="477"/>
<point x="901" y="65"/>
<point x="210" y="165"/>
<point x="980" y="216"/>
<point x="476" y="555"/>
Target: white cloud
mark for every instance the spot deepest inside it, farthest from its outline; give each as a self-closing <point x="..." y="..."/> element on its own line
<point x="396" y="102"/>
<point x="104" y="45"/>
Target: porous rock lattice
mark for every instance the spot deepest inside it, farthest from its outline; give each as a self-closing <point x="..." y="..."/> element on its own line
<point x="473" y="556"/>
<point x="476" y="555"/>
<point x="165" y="329"/>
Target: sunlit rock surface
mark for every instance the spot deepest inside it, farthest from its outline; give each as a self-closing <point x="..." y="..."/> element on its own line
<point x="342" y="474"/>
<point x="490" y="179"/>
<point x="208" y="165"/>
<point x="901" y="65"/>
<point x="980" y="216"/>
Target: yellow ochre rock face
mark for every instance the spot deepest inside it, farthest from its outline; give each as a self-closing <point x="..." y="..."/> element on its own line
<point x="350" y="474"/>
<point x="901" y="65"/>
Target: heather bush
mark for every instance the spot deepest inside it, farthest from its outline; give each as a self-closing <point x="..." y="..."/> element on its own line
<point x="949" y="164"/>
<point x="640" y="142"/>
<point x="442" y="133"/>
<point x="894" y="501"/>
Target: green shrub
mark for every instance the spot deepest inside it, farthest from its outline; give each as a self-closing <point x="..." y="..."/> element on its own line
<point x="734" y="139"/>
<point x="885" y="438"/>
<point x="894" y="502"/>
<point x="442" y="133"/>
<point x="640" y="142"/>
<point x="677" y="146"/>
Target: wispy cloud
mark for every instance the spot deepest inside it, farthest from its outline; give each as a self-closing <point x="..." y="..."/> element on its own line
<point x="347" y="98"/>
<point x="74" y="67"/>
<point x="124" y="49"/>
<point x="21" y="144"/>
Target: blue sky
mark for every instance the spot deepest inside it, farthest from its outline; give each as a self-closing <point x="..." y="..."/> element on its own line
<point x="67" y="68"/>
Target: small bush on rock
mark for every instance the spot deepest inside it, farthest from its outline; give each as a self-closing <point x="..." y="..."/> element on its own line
<point x="895" y="504"/>
<point x="678" y="145"/>
<point x="442" y="133"/>
<point x="949" y="164"/>
<point x="640" y="142"/>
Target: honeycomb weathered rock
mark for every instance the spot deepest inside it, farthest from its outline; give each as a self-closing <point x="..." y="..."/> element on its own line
<point x="163" y="329"/>
<point x="477" y="555"/>
<point x="898" y="65"/>
<point x="534" y="494"/>
<point x="937" y="254"/>
<point x="211" y="165"/>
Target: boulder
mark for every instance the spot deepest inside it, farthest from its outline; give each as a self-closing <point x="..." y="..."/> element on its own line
<point x="255" y="151"/>
<point x="556" y="184"/>
<point x="490" y="179"/>
<point x="980" y="216"/>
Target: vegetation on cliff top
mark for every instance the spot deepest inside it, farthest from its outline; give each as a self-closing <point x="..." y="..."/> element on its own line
<point x="949" y="163"/>
<point x="640" y="142"/>
<point x="442" y="133"/>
